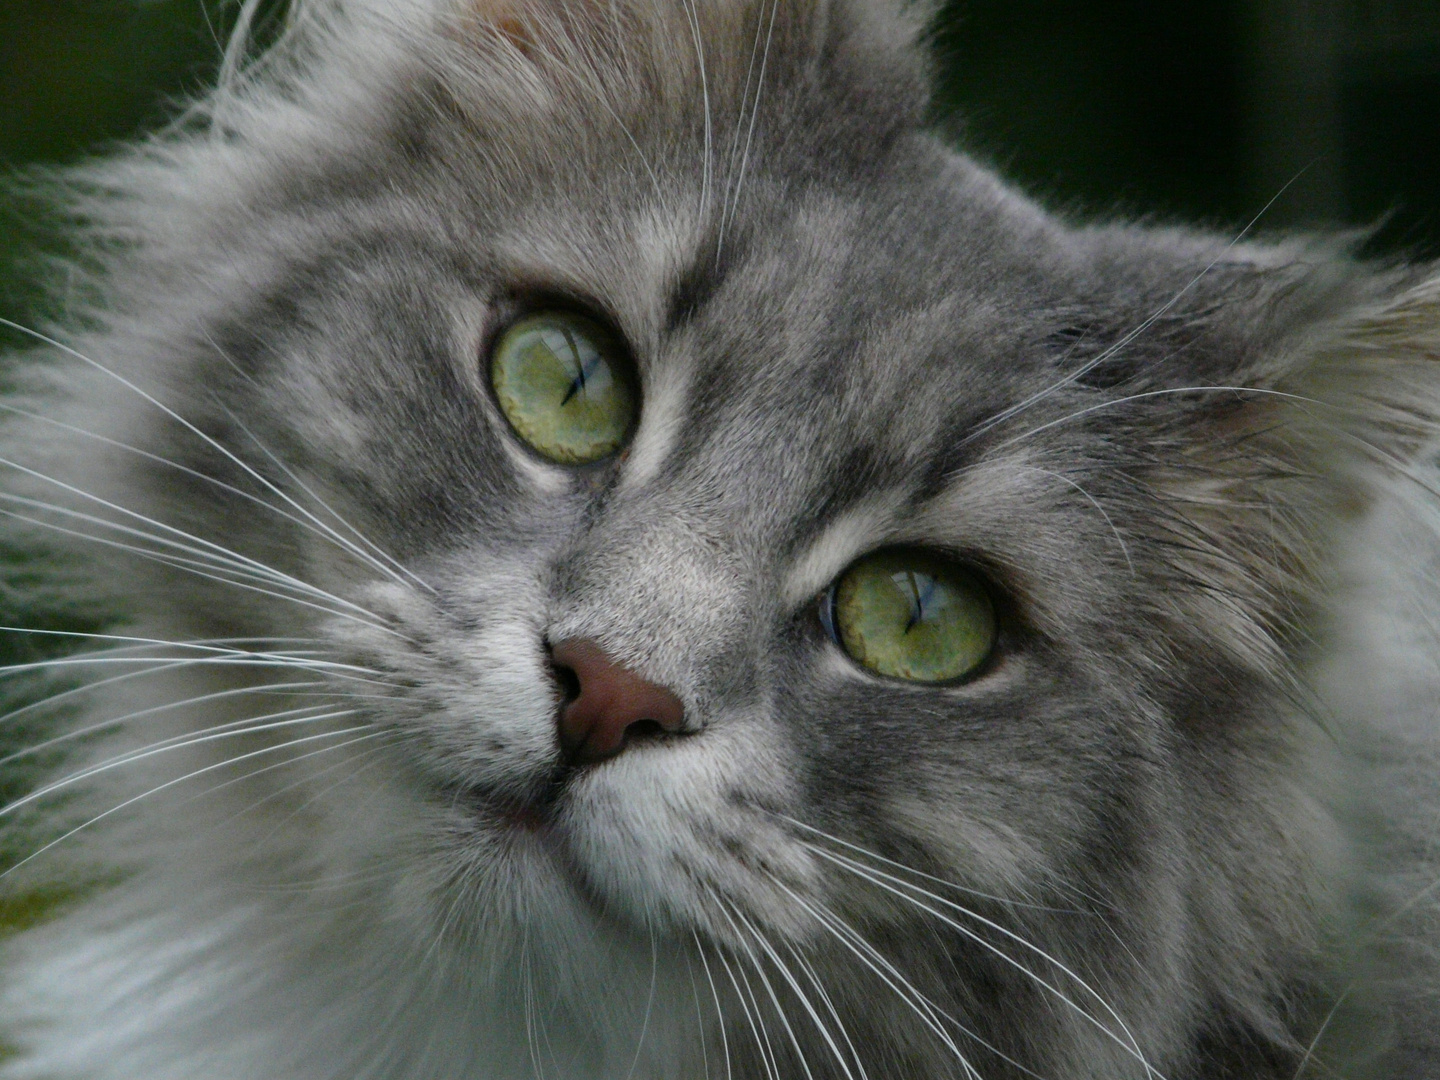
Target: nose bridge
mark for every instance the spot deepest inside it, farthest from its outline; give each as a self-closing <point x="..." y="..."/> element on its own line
<point x="663" y="590"/>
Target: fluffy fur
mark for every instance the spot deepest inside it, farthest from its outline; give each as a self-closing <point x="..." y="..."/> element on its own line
<point x="1179" y="828"/>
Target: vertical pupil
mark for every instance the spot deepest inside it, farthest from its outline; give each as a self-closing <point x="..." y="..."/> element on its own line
<point x="920" y="588"/>
<point x="577" y="384"/>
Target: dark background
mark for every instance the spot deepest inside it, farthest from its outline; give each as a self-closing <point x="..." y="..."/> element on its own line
<point x="1201" y="111"/>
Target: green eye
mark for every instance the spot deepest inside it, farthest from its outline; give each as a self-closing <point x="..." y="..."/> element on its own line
<point x="557" y="377"/>
<point x="913" y="615"/>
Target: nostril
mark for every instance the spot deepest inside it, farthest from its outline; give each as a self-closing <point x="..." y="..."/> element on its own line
<point x="644" y="728"/>
<point x="610" y="704"/>
<point x="568" y="681"/>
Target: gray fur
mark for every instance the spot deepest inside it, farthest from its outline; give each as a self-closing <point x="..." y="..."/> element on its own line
<point x="1178" y="829"/>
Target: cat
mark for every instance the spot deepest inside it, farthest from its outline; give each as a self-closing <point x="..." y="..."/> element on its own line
<point x="581" y="539"/>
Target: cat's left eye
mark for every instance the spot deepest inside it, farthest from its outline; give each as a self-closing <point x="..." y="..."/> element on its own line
<point x="560" y="381"/>
<point x="912" y="614"/>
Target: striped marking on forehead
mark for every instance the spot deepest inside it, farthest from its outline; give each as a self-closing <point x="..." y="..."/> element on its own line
<point x="662" y="419"/>
<point x="855" y="531"/>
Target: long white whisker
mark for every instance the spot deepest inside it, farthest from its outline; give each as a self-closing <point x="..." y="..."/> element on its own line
<point x="599" y="95"/>
<point x="719" y="1012"/>
<point x="231" y="730"/>
<point x="189" y="776"/>
<point x="1309" y="1054"/>
<point x="214" y="651"/>
<point x="223" y="575"/>
<point x="380" y="559"/>
<point x="1385" y="457"/>
<point x="53" y="343"/>
<point x="754" y="110"/>
<point x="706" y="164"/>
<point x="649" y="1005"/>
<point x="930" y="1014"/>
<point x="757" y="1031"/>
<point x="51" y="700"/>
<point x="372" y="752"/>
<point x="699" y="1016"/>
<point x="164" y="663"/>
<point x="160" y="664"/>
<point x="735" y="146"/>
<point x="786" y="974"/>
<point x="814" y="978"/>
<point x="920" y="873"/>
<point x="117" y="721"/>
<point x="192" y="567"/>
<point x="882" y="880"/>
<point x="317" y="528"/>
<point x="1124" y="550"/>
<point x="528" y="993"/>
<point x="84" y="688"/>
<point x="1114" y="402"/>
<point x="213" y="554"/>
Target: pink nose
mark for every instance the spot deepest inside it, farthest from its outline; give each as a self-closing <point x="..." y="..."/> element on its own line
<point x="611" y="703"/>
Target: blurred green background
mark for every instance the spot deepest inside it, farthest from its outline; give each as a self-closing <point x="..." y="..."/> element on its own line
<point x="1200" y="111"/>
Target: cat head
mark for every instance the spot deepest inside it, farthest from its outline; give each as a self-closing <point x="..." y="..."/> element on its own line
<point x="635" y="668"/>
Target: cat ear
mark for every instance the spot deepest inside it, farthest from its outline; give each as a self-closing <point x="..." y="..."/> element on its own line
<point x="1257" y="397"/>
<point x="659" y="62"/>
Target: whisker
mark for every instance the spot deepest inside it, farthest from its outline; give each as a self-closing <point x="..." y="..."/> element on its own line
<point x="929" y="1013"/>
<point x="719" y="1012"/>
<point x="190" y="776"/>
<point x="1309" y="1054"/>
<point x="649" y="1004"/>
<point x="735" y="146"/>
<point x="1124" y="550"/>
<point x="1163" y="392"/>
<point x="814" y="978"/>
<point x="528" y="994"/>
<point x="231" y="729"/>
<point x="706" y="164"/>
<point x="879" y="878"/>
<point x="233" y="458"/>
<point x="757" y="1031"/>
<point x="921" y="874"/>
<point x="132" y="641"/>
<point x="1384" y="457"/>
<point x="699" y="1016"/>
<point x="220" y="563"/>
<point x="379" y="558"/>
<point x="85" y="688"/>
<point x="600" y="96"/>
<point x="370" y="753"/>
<point x="188" y="542"/>
<point x="114" y="722"/>
<point x="785" y="973"/>
<point x="754" y="109"/>
<point x="318" y="528"/>
<point x="160" y="664"/>
<point x="214" y="653"/>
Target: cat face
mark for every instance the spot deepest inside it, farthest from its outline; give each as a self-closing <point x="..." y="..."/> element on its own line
<point x="633" y="685"/>
<point x="826" y="363"/>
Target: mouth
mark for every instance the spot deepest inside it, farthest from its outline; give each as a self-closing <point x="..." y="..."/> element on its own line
<point x="532" y="812"/>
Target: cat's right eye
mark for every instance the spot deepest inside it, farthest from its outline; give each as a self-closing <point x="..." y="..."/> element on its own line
<point x="559" y="379"/>
<point x="914" y="615"/>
